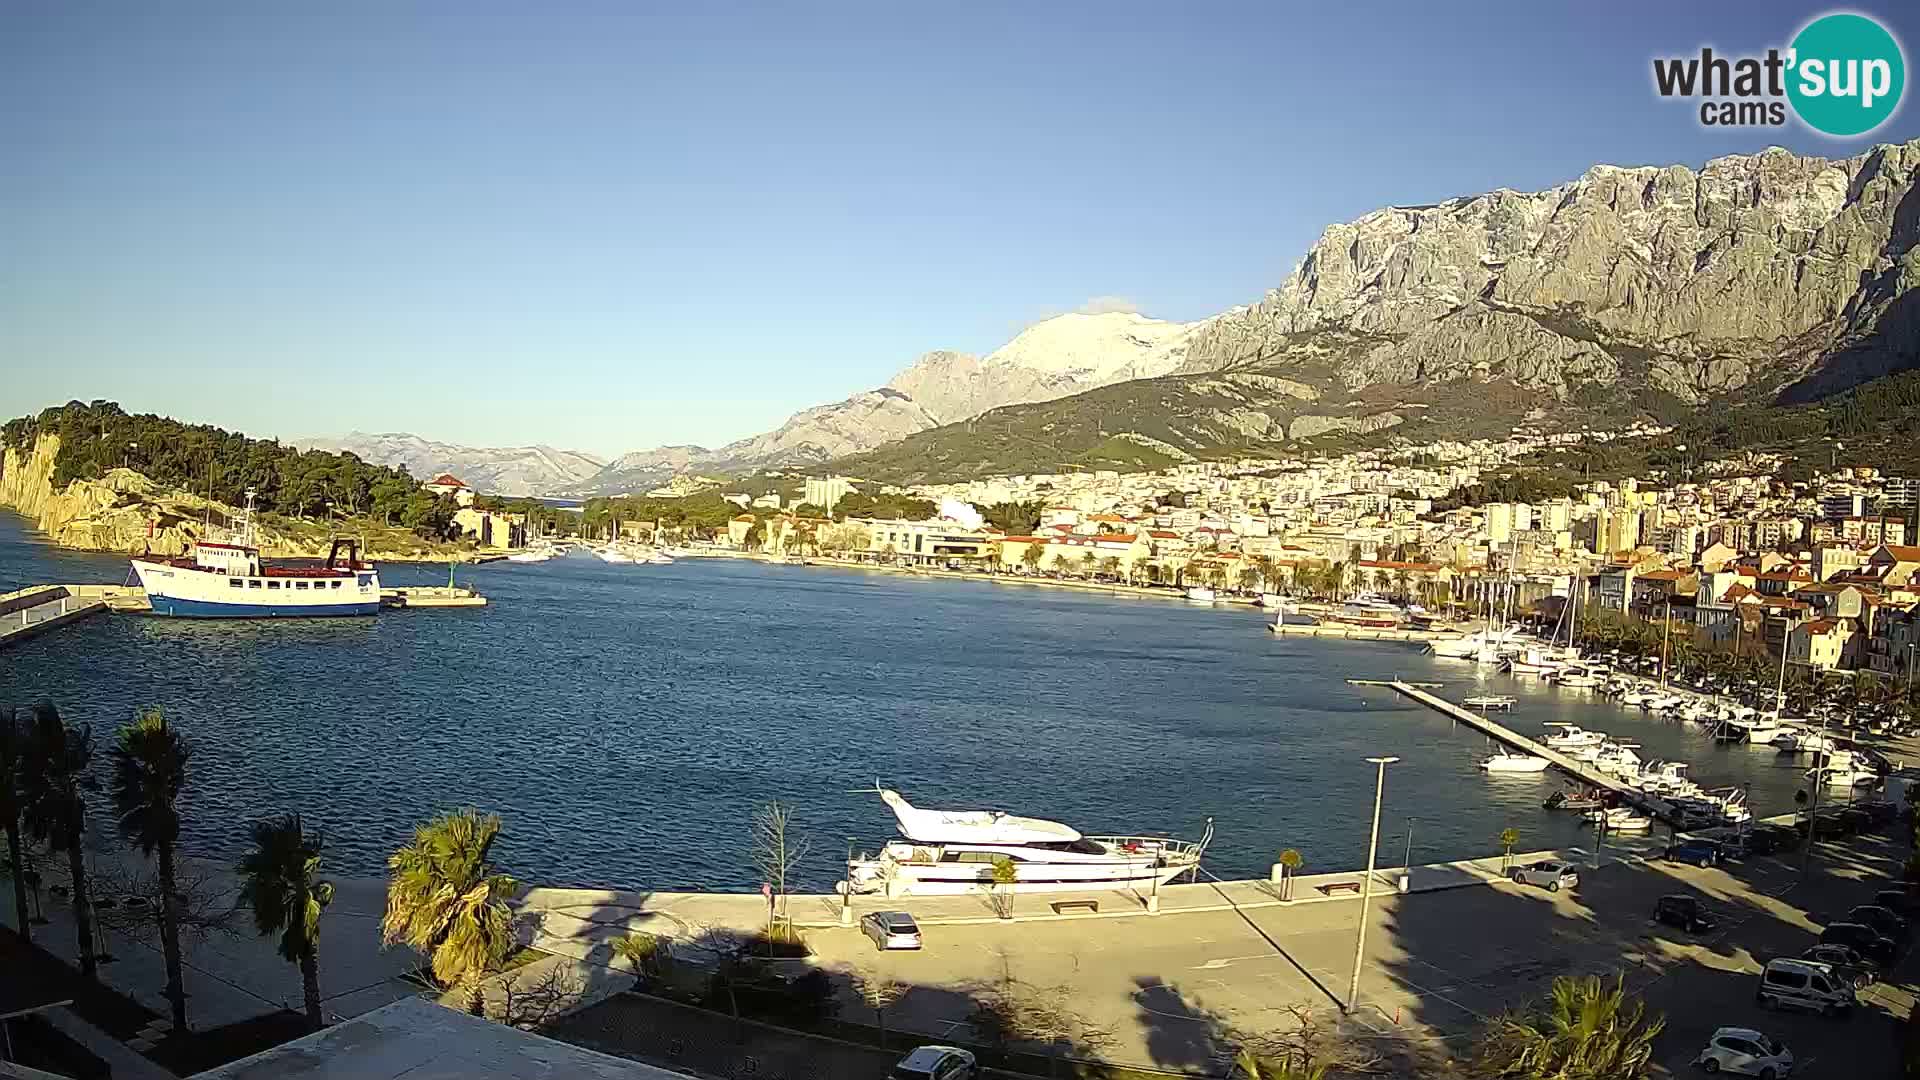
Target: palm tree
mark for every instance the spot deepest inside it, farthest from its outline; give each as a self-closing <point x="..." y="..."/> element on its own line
<point x="1087" y="559"/>
<point x="57" y="767"/>
<point x="447" y="902"/>
<point x="277" y="883"/>
<point x="149" y="769"/>
<point x="12" y="747"/>
<point x="1031" y="555"/>
<point x="1508" y="838"/>
<point x="1110" y="566"/>
<point x="1401" y="579"/>
<point x="1586" y="1030"/>
<point x="1250" y="1066"/>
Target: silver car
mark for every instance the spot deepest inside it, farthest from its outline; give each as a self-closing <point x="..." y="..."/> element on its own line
<point x="1551" y="876"/>
<point x="891" y="929"/>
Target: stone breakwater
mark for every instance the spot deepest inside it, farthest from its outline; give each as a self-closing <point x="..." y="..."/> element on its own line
<point x="125" y="511"/>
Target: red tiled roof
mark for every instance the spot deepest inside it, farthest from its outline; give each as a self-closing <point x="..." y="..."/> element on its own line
<point x="1163" y="534"/>
<point x="1904" y="552"/>
<point x="1822" y="626"/>
<point x="448" y="480"/>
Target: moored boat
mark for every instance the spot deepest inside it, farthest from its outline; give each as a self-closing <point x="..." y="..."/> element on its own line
<point x="954" y="851"/>
<point x="229" y="580"/>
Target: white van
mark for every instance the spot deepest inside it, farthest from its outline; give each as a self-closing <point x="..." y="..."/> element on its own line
<point x="1804" y="984"/>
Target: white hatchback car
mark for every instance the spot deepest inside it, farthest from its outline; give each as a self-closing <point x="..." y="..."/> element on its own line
<point x="1745" y="1052"/>
<point x="936" y="1063"/>
<point x="1551" y="876"/>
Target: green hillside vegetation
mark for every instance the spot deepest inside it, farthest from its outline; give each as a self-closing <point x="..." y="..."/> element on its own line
<point x="99" y="436"/>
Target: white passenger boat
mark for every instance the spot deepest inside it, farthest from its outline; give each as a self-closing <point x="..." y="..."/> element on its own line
<point x="1200" y="594"/>
<point x="1272" y="600"/>
<point x="230" y="581"/>
<point x="1506" y="761"/>
<point x="1573" y="675"/>
<point x="954" y="851"/>
<point x="611" y="554"/>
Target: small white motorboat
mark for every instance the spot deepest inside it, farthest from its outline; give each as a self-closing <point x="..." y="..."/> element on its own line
<point x="1570" y="736"/>
<point x="1506" y="761"/>
<point x="1622" y="819"/>
<point x="1488" y="701"/>
<point x="1200" y="594"/>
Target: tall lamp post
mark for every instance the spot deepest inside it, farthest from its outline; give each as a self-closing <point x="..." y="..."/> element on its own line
<point x="1366" y="883"/>
<point x="846" y="893"/>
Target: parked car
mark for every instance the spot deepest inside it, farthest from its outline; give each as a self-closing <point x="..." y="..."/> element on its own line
<point x="1804" y="984"/>
<point x="1767" y="839"/>
<point x="1845" y="962"/>
<point x="1696" y="852"/>
<point x="1896" y="901"/>
<point x="1737" y="845"/>
<point x="1882" y="811"/>
<point x="1745" y="1052"/>
<point x="1685" y="912"/>
<point x="1856" y="820"/>
<point x="891" y="929"/>
<point x="1887" y="922"/>
<point x="1862" y="939"/>
<point x="936" y="1063"/>
<point x="1551" y="876"/>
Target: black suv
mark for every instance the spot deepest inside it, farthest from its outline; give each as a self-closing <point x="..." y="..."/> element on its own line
<point x="1685" y="912"/>
<point x="1887" y="922"/>
<point x="1862" y="939"/>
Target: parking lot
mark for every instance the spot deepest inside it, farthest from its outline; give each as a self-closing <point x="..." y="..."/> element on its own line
<point x="1173" y="991"/>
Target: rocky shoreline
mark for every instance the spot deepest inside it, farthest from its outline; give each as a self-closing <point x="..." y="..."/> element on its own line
<point x="124" y="512"/>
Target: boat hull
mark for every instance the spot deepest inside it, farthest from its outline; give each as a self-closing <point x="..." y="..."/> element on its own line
<point x="202" y="609"/>
<point x="178" y="592"/>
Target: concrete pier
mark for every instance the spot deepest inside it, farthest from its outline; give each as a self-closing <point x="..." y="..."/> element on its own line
<point x="1355" y="633"/>
<point x="431" y="596"/>
<point x="39" y="608"/>
<point x="1584" y="772"/>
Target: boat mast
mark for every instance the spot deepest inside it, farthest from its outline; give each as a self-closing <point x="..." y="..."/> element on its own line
<point x="1780" y="689"/>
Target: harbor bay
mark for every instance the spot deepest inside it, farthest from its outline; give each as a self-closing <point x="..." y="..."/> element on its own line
<point x="625" y="721"/>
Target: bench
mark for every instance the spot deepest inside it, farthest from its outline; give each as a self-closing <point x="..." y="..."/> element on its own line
<point x="1334" y="888"/>
<point x="1060" y="906"/>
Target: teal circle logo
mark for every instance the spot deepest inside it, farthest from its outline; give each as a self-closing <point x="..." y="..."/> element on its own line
<point x="1847" y="74"/>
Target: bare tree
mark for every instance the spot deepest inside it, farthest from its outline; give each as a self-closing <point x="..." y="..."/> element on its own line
<point x="1303" y="1044"/>
<point x="776" y="852"/>
<point x="129" y="900"/>
<point x="532" y="1001"/>
<point x="879" y="991"/>
<point x="1009" y="1013"/>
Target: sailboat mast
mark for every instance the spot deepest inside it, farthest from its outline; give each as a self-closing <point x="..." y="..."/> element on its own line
<point x="1780" y="689"/>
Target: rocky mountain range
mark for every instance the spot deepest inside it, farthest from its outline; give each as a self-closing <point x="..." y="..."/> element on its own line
<point x="1624" y="292"/>
<point x="1769" y="277"/>
<point x="515" y="470"/>
<point x="1057" y="357"/>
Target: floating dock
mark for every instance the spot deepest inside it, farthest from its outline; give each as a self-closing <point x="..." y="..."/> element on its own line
<point x="431" y="596"/>
<point x="1584" y="772"/>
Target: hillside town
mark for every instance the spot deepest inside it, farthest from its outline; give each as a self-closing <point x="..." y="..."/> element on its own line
<point x="1729" y="554"/>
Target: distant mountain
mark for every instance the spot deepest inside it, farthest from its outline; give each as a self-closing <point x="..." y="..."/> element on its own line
<point x="1652" y="291"/>
<point x="515" y="470"/>
<point x="1053" y="358"/>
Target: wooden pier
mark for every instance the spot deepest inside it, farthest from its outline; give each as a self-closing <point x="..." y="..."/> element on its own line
<point x="1580" y="770"/>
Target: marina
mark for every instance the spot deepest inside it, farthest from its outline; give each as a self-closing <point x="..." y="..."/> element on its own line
<point x="719" y="670"/>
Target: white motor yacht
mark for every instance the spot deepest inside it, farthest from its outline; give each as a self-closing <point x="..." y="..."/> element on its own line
<point x="1200" y="594"/>
<point x="954" y="851"/>
<point x="1477" y="644"/>
<point x="1506" y="761"/>
<point x="1617" y="759"/>
<point x="612" y="554"/>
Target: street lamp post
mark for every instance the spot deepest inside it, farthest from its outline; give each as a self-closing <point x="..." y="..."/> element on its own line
<point x="1406" y="863"/>
<point x="1366" y="883"/>
<point x="846" y="894"/>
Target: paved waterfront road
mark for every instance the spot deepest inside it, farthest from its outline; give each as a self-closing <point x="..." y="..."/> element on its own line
<point x="1171" y="987"/>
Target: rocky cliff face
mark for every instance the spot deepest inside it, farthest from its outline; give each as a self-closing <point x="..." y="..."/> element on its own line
<point x="124" y="511"/>
<point x="1766" y="272"/>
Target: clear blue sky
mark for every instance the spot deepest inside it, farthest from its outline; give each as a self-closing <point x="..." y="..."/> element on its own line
<point x="604" y="227"/>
